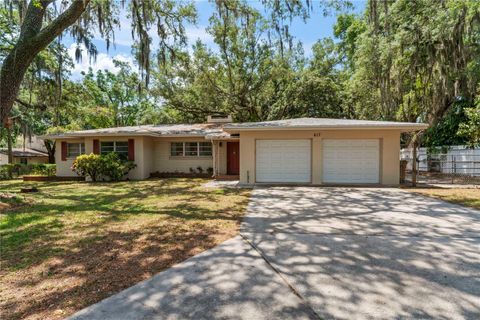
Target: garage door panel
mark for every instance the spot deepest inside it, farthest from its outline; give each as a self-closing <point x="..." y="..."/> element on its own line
<point x="283" y="160"/>
<point x="351" y="161"/>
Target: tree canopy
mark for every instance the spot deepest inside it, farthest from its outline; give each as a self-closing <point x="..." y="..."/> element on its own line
<point x="397" y="60"/>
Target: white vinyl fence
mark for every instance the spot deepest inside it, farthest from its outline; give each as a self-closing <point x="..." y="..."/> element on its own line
<point x="457" y="160"/>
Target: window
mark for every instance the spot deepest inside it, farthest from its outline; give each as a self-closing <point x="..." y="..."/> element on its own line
<point x="119" y="147"/>
<point x="205" y="149"/>
<point x="75" y="149"/>
<point x="191" y="149"/>
<point x="176" y="149"/>
<point x="23" y="160"/>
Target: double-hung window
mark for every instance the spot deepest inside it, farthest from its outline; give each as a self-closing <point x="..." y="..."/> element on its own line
<point x="75" y="149"/>
<point x="191" y="149"/>
<point x="204" y="149"/>
<point x="119" y="147"/>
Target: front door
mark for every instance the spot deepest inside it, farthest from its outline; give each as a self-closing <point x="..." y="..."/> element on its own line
<point x="233" y="158"/>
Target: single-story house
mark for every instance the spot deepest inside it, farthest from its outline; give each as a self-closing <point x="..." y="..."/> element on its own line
<point x="305" y="150"/>
<point x="24" y="156"/>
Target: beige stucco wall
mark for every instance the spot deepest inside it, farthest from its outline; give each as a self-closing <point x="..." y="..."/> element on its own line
<point x="142" y="156"/>
<point x="389" y="150"/>
<point x="151" y="154"/>
<point x="3" y="158"/>
<point x="163" y="162"/>
<point x="64" y="168"/>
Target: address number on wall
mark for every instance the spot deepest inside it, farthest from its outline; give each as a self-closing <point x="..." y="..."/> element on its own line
<point x="316" y="134"/>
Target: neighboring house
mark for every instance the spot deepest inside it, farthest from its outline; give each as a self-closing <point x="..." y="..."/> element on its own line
<point x="305" y="150"/>
<point x="24" y="156"/>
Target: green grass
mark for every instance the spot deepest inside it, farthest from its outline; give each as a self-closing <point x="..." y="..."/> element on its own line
<point x="110" y="229"/>
<point x="464" y="197"/>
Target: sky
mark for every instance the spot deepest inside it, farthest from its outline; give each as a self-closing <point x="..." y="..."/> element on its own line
<point x="317" y="27"/>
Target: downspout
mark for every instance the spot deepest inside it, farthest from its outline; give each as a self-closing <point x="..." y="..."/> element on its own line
<point x="214" y="158"/>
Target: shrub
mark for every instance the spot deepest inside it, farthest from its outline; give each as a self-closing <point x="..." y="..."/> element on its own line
<point x="210" y="170"/>
<point x="115" y="168"/>
<point x="200" y="169"/>
<point x="88" y="165"/>
<point x="7" y="171"/>
<point x="95" y="166"/>
<point x="43" y="169"/>
<point x="11" y="170"/>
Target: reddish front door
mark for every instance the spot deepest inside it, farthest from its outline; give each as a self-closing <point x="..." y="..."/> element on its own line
<point x="233" y="158"/>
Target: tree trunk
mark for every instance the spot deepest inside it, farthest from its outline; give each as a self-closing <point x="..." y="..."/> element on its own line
<point x="9" y="144"/>
<point x="50" y="146"/>
<point x="31" y="41"/>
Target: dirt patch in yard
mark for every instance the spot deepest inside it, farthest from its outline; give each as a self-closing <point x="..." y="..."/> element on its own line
<point x="81" y="242"/>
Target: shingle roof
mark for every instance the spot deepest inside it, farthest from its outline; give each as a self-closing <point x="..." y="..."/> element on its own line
<point x="25" y="153"/>
<point x="219" y="130"/>
<point x="323" y="123"/>
<point x="166" y="130"/>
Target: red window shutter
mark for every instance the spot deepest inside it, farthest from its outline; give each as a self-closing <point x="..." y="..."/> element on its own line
<point x="64" y="151"/>
<point x="131" y="149"/>
<point x="96" y="146"/>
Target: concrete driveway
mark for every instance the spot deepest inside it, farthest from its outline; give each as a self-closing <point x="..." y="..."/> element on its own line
<point x="309" y="253"/>
<point x="371" y="253"/>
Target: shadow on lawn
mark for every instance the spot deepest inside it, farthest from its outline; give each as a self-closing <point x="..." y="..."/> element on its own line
<point x="351" y="253"/>
<point x="101" y="257"/>
<point x="98" y="266"/>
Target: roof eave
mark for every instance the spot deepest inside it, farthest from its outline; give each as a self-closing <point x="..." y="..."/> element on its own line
<point x="90" y="135"/>
<point x="401" y="128"/>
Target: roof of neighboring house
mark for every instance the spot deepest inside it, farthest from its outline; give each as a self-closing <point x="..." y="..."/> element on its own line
<point x="222" y="130"/>
<point x="25" y="153"/>
<point x="323" y="123"/>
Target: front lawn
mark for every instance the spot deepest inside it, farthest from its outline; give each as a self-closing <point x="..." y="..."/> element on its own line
<point x="73" y="244"/>
<point x="465" y="197"/>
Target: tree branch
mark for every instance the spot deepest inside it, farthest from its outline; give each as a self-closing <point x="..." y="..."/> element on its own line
<point x="59" y="24"/>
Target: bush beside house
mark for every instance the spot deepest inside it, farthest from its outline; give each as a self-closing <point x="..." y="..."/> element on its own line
<point x="106" y="167"/>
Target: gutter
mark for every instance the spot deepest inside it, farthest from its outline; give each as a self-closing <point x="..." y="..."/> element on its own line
<point x="136" y="134"/>
<point x="401" y="128"/>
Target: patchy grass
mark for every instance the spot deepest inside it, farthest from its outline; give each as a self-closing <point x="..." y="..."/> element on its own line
<point x="465" y="197"/>
<point x="73" y="244"/>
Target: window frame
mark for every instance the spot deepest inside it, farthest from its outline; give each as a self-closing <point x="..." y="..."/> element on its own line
<point x="122" y="154"/>
<point x="81" y="149"/>
<point x="184" y="149"/>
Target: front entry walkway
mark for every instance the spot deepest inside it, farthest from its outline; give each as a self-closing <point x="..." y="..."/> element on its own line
<point x="311" y="253"/>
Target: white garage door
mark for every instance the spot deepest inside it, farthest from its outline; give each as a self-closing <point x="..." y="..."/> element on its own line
<point x="351" y="161"/>
<point x="283" y="160"/>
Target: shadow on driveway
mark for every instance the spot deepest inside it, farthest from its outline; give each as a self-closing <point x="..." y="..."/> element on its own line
<point x="230" y="281"/>
<point x="371" y="253"/>
<point x="348" y="253"/>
